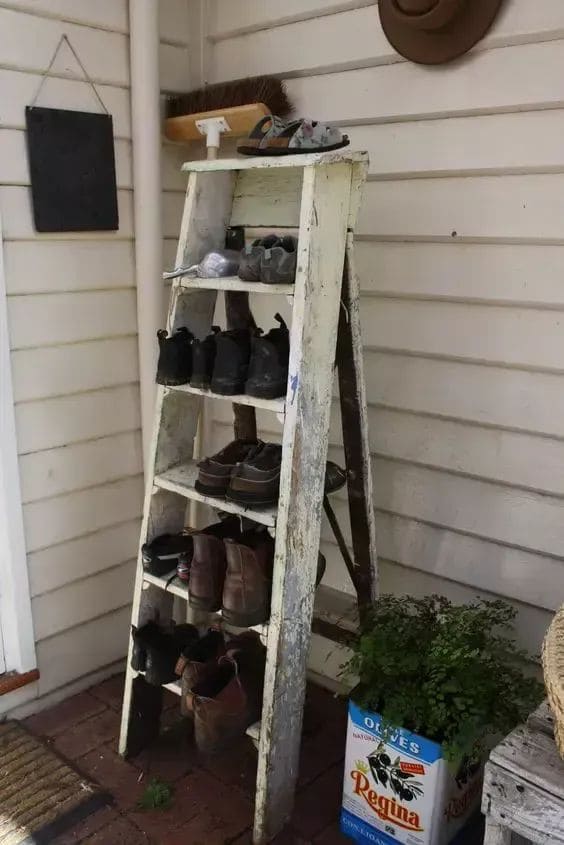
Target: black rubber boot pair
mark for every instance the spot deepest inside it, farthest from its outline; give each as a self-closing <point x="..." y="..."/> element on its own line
<point x="243" y="361"/>
<point x="155" y="650"/>
<point x="175" y="357"/>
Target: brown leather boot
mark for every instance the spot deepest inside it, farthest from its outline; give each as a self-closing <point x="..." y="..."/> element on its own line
<point x="248" y="580"/>
<point x="209" y="564"/>
<point x="229" y="699"/>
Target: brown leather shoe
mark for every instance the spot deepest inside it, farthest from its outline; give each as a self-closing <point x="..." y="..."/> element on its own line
<point x="209" y="565"/>
<point x="256" y="480"/>
<point x="197" y="661"/>
<point x="215" y="472"/>
<point x="248" y="580"/>
<point x="229" y="699"/>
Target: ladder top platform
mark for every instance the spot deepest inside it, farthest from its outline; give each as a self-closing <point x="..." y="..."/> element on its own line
<point x="299" y="160"/>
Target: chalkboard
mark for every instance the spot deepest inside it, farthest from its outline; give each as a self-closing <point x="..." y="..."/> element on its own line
<point x="73" y="172"/>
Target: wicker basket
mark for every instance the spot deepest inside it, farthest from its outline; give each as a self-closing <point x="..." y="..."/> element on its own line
<point x="553" y="665"/>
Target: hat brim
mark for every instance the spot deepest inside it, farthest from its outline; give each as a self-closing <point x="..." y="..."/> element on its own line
<point x="433" y="48"/>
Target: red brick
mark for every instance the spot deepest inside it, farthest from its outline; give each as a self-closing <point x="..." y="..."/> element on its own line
<point x="204" y="829"/>
<point x="106" y="767"/>
<point x="87" y="827"/>
<point x="119" y="832"/>
<point x="89" y="734"/>
<point x="332" y="836"/>
<point x="331" y="710"/>
<point x="110" y="691"/>
<point x="319" y="752"/>
<point x="65" y="715"/>
<point x="287" y="837"/>
<point x="171" y="756"/>
<point x="237" y="766"/>
<point x="318" y="805"/>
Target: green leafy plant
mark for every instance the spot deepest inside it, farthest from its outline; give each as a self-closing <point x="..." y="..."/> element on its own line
<point x="451" y="673"/>
<point x="157" y="796"/>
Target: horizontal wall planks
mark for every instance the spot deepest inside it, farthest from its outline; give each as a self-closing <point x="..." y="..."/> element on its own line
<point x="18" y="89"/>
<point x="71" y="515"/>
<point x="53" y="567"/>
<point x="76" y="653"/>
<point x="491" y="207"/>
<point x="427" y="147"/>
<point x="80" y="465"/>
<point x="174" y="68"/>
<point x="489" y="273"/>
<point x="172" y="207"/>
<point x="81" y="601"/>
<point x="46" y="266"/>
<point x="354" y="38"/>
<point x="27" y="42"/>
<point x="14" y="168"/>
<point x="58" y="370"/>
<point x="407" y="90"/>
<point x="15" y="206"/>
<point x="532" y="402"/>
<point x="108" y="14"/>
<point x="512" y="336"/>
<point x="52" y="319"/>
<point x="174" y="20"/>
<point x="226" y="17"/>
<point x="50" y="423"/>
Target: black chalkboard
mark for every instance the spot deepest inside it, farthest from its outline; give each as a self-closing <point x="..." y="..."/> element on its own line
<point x="73" y="171"/>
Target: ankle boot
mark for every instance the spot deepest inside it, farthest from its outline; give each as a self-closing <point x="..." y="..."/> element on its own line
<point x="163" y="652"/>
<point x="203" y="359"/>
<point x="233" y="349"/>
<point x="197" y="661"/>
<point x="175" y="357"/>
<point x="209" y="564"/>
<point x="248" y="579"/>
<point x="268" y="365"/>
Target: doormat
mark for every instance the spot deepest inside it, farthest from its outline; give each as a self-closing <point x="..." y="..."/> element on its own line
<point x="41" y="796"/>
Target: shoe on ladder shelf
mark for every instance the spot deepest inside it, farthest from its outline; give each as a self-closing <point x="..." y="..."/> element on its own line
<point x="317" y="195"/>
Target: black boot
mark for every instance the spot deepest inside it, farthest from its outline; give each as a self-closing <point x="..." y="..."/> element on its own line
<point x="163" y="652"/>
<point x="175" y="357"/>
<point x="203" y="358"/>
<point x="268" y="366"/>
<point x="233" y="349"/>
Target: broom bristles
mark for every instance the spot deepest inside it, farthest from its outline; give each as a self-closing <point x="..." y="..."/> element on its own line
<point x="255" y="89"/>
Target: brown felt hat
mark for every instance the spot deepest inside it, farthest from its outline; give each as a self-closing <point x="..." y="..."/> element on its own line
<point x="434" y="31"/>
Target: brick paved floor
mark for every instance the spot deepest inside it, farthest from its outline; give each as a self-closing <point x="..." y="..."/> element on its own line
<point x="213" y="798"/>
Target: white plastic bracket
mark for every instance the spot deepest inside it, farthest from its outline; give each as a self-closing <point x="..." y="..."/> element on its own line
<point x="212" y="128"/>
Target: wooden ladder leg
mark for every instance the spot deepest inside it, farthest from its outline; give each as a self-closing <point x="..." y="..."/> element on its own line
<point x="323" y="221"/>
<point x="354" y="417"/>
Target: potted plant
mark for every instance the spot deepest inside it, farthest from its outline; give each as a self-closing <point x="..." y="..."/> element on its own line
<point x="435" y="681"/>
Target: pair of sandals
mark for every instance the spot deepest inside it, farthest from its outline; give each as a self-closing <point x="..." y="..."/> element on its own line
<point x="274" y="136"/>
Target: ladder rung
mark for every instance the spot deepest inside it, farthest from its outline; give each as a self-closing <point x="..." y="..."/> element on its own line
<point x="172" y="687"/>
<point x="234" y="283"/>
<point x="276" y="405"/>
<point x="180" y="479"/>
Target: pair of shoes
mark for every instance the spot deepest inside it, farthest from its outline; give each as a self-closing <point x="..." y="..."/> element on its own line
<point x="224" y="693"/>
<point x="231" y="571"/>
<point x="175" y="357"/>
<point x="243" y="361"/>
<point x="277" y="136"/>
<point x="163" y="554"/>
<point x="271" y="260"/>
<point x="245" y="471"/>
<point x="156" y="650"/>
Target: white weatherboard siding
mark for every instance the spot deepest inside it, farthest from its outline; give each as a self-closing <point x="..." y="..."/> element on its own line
<point x="460" y="254"/>
<point x="72" y="329"/>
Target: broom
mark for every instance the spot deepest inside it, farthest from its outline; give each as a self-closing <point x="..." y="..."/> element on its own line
<point x="227" y="108"/>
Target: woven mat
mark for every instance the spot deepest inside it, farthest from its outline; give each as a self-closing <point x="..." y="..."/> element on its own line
<point x="41" y="796"/>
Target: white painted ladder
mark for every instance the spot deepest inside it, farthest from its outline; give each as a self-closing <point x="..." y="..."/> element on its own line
<point x="319" y="195"/>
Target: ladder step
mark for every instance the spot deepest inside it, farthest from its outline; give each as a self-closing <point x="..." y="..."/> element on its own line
<point x="180" y="479"/>
<point x="278" y="406"/>
<point x="234" y="283"/>
<point x="172" y="687"/>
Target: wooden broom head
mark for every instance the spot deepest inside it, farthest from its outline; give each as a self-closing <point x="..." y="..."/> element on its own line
<point x="241" y="120"/>
<point x="221" y="96"/>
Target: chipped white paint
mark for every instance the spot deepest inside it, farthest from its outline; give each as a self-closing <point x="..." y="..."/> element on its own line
<point x="524" y="785"/>
<point x="268" y="162"/>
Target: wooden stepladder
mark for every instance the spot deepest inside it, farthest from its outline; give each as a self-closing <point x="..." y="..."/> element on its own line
<point x="319" y="195"/>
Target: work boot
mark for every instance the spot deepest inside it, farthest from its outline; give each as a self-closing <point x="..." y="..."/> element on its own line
<point x="215" y="473"/>
<point x="248" y="580"/>
<point x="278" y="264"/>
<point x="229" y="698"/>
<point x="163" y="652"/>
<point x="255" y="481"/>
<point x="251" y="257"/>
<point x="203" y="358"/>
<point x="233" y="350"/>
<point x="175" y="357"/>
<point x="209" y="565"/>
<point x="196" y="660"/>
<point x="268" y="366"/>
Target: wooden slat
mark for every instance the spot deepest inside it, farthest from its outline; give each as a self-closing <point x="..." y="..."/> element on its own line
<point x="535" y="754"/>
<point x="234" y="283"/>
<point x="57" y="370"/>
<point x="54" y="567"/>
<point x="109" y="14"/>
<point x="275" y="405"/>
<point x="52" y="319"/>
<point x="409" y="90"/>
<point x="45" y="266"/>
<point x="75" y="467"/>
<point x="542" y="719"/>
<point x="225" y="18"/>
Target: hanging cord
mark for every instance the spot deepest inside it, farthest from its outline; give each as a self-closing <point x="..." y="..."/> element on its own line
<point x="87" y="78"/>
